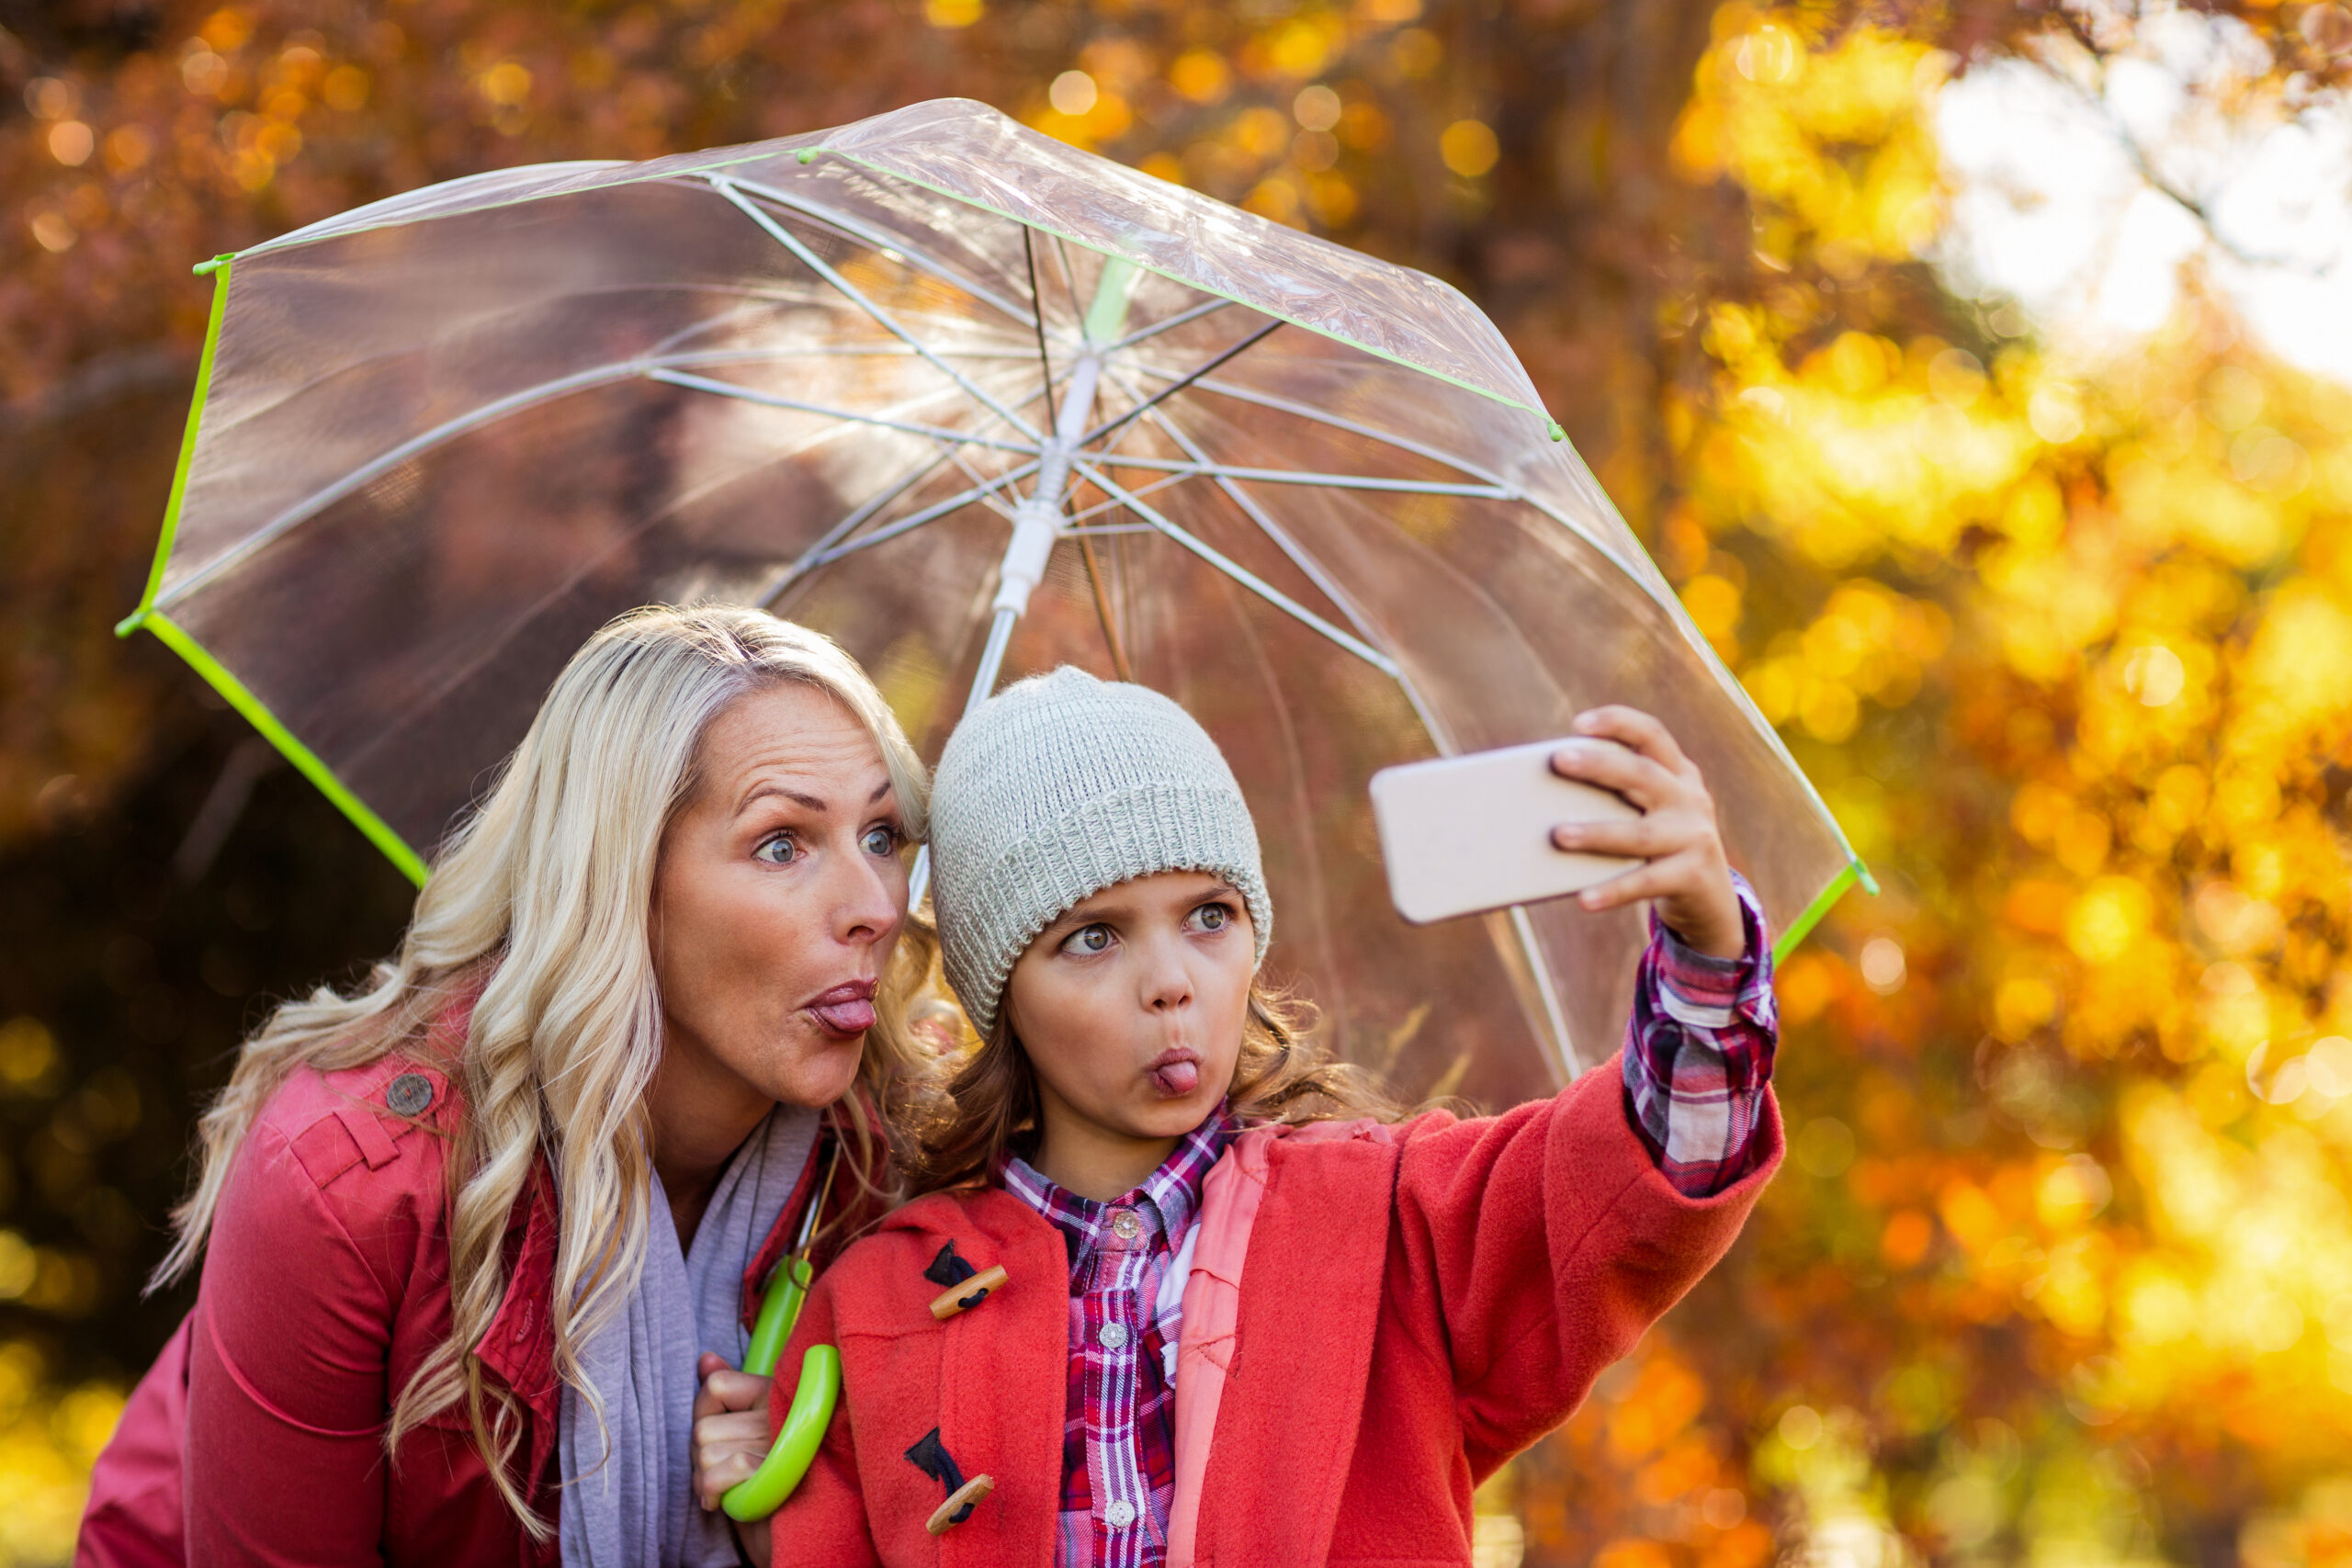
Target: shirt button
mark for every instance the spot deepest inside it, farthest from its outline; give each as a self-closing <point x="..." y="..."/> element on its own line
<point x="1125" y="1223"/>
<point x="1119" y="1515"/>
<point x="1111" y="1336"/>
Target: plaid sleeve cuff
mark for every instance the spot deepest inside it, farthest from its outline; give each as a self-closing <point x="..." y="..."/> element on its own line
<point x="1698" y="1055"/>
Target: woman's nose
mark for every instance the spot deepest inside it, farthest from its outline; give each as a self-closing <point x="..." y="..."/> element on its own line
<point x="872" y="903"/>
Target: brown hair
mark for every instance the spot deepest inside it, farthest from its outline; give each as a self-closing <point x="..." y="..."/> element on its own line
<point x="982" y="1102"/>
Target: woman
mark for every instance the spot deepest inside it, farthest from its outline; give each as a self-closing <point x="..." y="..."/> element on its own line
<point x="465" y="1234"/>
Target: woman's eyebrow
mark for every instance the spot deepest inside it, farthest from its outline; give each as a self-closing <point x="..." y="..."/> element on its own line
<point x="761" y="791"/>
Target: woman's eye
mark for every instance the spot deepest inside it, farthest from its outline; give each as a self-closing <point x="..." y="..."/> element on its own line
<point x="1087" y="939"/>
<point x="881" y="839"/>
<point x="778" y="851"/>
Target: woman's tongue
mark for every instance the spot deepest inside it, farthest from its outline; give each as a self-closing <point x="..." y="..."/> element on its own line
<point x="1176" y="1079"/>
<point x="852" y="1017"/>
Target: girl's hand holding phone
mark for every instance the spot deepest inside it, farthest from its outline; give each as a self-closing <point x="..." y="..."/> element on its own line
<point x="1626" y="750"/>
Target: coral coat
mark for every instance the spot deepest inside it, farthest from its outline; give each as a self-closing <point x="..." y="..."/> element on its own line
<point x="1416" y="1304"/>
<point x="258" y="1435"/>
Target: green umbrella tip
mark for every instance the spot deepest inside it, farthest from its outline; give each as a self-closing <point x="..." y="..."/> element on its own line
<point x="1552" y="428"/>
<point x="206" y="268"/>
<point x="808" y="154"/>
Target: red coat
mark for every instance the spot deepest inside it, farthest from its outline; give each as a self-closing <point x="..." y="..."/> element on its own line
<point x="1417" y="1303"/>
<point x="257" y="1438"/>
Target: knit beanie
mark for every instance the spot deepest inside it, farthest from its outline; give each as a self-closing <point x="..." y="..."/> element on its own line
<point x="1058" y="787"/>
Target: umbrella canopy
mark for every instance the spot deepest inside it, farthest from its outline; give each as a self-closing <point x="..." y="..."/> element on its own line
<point x="976" y="404"/>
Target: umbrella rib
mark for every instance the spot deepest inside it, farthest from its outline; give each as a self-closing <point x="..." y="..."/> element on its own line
<point x="1207" y="307"/>
<point x="1211" y="469"/>
<point x="1241" y="574"/>
<point x="358" y="478"/>
<point x="765" y="599"/>
<point x="987" y="487"/>
<point x="1037" y="316"/>
<point x="824" y="552"/>
<point x="849" y="291"/>
<point x="1162" y="396"/>
<point x="890" y="245"/>
<point x="319" y="501"/>
<point x="1306" y="412"/>
<point x="1154" y="487"/>
<point x="982" y="491"/>
<point x="1285" y="405"/>
<point x="778" y="401"/>
<point x="1298" y="557"/>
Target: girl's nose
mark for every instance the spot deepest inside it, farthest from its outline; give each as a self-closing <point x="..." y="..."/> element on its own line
<point x="1167" y="980"/>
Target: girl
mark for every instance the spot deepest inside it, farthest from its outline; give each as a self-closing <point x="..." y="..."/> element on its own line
<point x="1246" y="1315"/>
<point x="464" y="1235"/>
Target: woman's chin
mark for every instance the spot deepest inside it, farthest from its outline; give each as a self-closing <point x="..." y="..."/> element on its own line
<point x="821" y="1071"/>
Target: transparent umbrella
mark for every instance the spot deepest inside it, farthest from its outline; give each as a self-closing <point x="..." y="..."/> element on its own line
<point x="976" y="404"/>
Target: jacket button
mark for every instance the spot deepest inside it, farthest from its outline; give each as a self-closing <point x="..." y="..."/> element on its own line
<point x="1119" y="1515"/>
<point x="410" y="1094"/>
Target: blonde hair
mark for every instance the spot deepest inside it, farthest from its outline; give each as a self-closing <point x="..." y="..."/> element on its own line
<point x="982" y="1104"/>
<point x="542" y="899"/>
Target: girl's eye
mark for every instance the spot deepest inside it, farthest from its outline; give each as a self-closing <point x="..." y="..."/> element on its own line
<point x="778" y="851"/>
<point x="881" y="839"/>
<point x="1087" y="940"/>
<point x="1213" y="916"/>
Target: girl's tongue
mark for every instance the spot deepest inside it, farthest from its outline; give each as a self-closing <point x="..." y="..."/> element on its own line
<point x="1177" y="1080"/>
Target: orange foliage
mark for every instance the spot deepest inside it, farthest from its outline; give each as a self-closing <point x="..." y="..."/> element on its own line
<point x="2058" y="1267"/>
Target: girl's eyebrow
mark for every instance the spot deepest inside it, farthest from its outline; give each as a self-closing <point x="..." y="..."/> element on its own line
<point x="1086" y="914"/>
<point x="1097" y="910"/>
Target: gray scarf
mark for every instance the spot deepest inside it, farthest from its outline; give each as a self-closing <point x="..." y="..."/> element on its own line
<point x="628" y="1488"/>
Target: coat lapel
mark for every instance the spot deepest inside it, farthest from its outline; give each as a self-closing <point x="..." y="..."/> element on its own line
<point x="1310" y="1303"/>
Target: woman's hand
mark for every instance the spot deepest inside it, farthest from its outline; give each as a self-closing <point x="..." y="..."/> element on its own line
<point x="1626" y="750"/>
<point x="731" y="1428"/>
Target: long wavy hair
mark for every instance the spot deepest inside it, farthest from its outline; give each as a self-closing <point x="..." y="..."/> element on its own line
<point x="981" y="1102"/>
<point x="540" y="908"/>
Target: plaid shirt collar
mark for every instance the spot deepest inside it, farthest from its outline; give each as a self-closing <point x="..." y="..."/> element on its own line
<point x="1168" y="1198"/>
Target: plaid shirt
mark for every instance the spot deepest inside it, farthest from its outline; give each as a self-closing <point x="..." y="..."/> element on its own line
<point x="1698" y="1055"/>
<point x="1125" y="1298"/>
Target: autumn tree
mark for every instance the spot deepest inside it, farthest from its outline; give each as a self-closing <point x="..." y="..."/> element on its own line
<point x="2058" y="1268"/>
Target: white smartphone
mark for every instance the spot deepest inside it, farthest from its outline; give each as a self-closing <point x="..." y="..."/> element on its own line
<point x="1462" y="835"/>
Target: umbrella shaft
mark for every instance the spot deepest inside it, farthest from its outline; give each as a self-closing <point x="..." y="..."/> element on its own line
<point x="991" y="658"/>
<point x="1038" y="521"/>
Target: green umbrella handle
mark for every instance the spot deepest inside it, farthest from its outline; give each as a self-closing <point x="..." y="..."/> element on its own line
<point x="779" y="1310"/>
<point x="764" y="1491"/>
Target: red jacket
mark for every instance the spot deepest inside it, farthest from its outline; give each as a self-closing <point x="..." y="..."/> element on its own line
<point x="257" y="1436"/>
<point x="1417" y="1303"/>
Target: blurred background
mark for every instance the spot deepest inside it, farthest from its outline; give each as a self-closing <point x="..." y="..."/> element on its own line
<point x="1978" y="373"/>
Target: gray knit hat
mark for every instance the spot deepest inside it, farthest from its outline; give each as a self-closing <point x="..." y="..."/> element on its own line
<point x="1058" y="787"/>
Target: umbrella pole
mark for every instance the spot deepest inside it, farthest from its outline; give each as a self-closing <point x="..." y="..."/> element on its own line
<point x="1038" y="522"/>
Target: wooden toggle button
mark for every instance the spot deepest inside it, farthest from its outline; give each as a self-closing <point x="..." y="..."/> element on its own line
<point x="930" y="1456"/>
<point x="958" y="1506"/>
<point x="970" y="1293"/>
